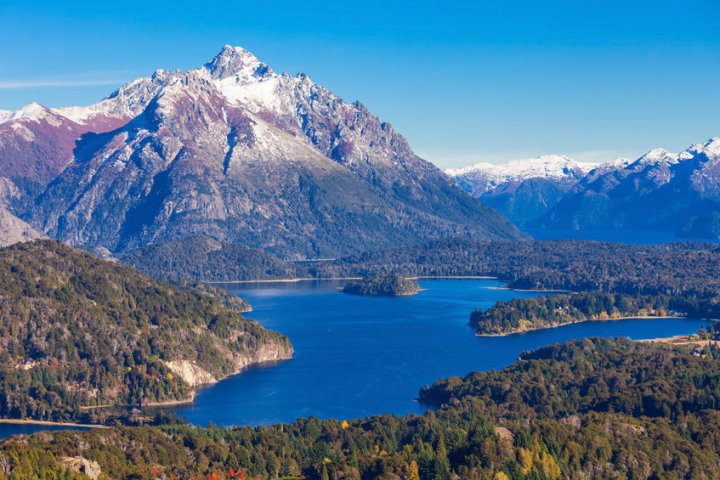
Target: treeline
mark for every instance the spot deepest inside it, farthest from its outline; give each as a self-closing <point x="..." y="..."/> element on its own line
<point x="524" y="314"/>
<point x="592" y="375"/>
<point x="684" y="268"/>
<point x="591" y="410"/>
<point x="200" y="258"/>
<point x="382" y="286"/>
<point x="78" y="332"/>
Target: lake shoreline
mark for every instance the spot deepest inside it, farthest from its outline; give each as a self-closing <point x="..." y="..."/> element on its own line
<point x="682" y="340"/>
<point x="539" y="290"/>
<point x="557" y="325"/>
<point x="18" y="421"/>
<point x="307" y="279"/>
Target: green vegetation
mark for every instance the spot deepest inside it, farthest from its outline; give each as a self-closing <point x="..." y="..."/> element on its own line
<point x="637" y="280"/>
<point x="593" y="409"/>
<point x="77" y="331"/>
<point x="687" y="269"/>
<point x="524" y="314"/>
<point x="592" y="375"/>
<point x="200" y="258"/>
<point x="678" y="269"/>
<point x="384" y="286"/>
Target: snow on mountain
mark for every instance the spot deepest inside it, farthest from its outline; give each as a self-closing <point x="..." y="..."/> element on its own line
<point x="658" y="156"/>
<point x="546" y="166"/>
<point x="124" y="103"/>
<point x="483" y="177"/>
<point x="660" y="190"/>
<point x="238" y="152"/>
<point x="711" y="149"/>
<point x="31" y="111"/>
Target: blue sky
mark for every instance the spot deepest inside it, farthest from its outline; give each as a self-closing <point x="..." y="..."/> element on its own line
<point x="463" y="81"/>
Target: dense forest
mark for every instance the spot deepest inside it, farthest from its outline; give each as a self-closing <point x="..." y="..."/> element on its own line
<point x="684" y="268"/>
<point x="78" y="332"/>
<point x="592" y="375"/>
<point x="524" y="314"/>
<point x="588" y="410"/>
<point x="382" y="286"/>
<point x="201" y="258"/>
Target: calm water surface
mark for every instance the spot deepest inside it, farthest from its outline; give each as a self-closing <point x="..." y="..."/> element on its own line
<point x="358" y="356"/>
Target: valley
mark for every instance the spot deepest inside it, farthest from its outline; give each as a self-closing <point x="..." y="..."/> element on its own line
<point x="220" y="270"/>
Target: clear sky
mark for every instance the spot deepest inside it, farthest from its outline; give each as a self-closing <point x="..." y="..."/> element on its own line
<point x="464" y="81"/>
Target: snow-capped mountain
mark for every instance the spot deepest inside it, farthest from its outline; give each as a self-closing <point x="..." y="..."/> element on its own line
<point x="546" y="166"/>
<point x="235" y="151"/>
<point x="658" y="191"/>
<point x="522" y="189"/>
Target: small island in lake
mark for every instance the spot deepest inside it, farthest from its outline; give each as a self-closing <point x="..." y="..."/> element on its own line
<point x="383" y="286"/>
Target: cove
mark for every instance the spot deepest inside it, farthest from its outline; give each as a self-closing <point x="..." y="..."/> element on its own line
<point x="360" y="356"/>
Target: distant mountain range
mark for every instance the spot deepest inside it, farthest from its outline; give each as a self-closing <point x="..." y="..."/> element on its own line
<point x="677" y="192"/>
<point x="525" y="189"/>
<point x="234" y="151"/>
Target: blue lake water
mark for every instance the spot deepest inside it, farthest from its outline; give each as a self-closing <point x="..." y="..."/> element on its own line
<point x="359" y="356"/>
<point x="7" y="429"/>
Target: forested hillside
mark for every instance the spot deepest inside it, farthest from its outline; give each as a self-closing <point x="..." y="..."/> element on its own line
<point x="685" y="268"/>
<point x="204" y="259"/>
<point x="80" y="332"/>
<point x="593" y="409"/>
<point x="525" y="314"/>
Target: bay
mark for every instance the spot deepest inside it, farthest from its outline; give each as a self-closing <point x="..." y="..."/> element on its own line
<point x="360" y="356"/>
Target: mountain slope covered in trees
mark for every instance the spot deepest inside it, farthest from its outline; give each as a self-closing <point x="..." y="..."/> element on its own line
<point x="201" y="258"/>
<point x="81" y="332"/>
<point x="595" y="409"/>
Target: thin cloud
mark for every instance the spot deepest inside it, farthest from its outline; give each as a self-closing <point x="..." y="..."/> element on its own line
<point x="15" y="84"/>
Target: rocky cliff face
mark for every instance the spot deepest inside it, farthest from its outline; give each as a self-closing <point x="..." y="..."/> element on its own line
<point x="195" y="375"/>
<point x="238" y="152"/>
<point x="13" y="230"/>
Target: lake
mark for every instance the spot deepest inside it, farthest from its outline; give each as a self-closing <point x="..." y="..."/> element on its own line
<point x="359" y="356"/>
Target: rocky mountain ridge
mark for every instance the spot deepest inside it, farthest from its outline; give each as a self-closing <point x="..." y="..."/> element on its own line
<point x="522" y="189"/>
<point x="660" y="190"/>
<point x="237" y="152"/>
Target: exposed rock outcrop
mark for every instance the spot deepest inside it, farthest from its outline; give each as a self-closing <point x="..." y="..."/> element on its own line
<point x="82" y="465"/>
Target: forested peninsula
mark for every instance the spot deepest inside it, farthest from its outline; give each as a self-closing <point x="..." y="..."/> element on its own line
<point x="525" y="314"/>
<point x="79" y="332"/>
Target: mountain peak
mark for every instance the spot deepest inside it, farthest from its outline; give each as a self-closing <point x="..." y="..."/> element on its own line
<point x="31" y="111"/>
<point x="237" y="62"/>
<point x="710" y="148"/>
<point x="545" y="166"/>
